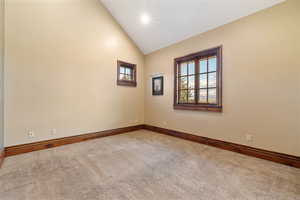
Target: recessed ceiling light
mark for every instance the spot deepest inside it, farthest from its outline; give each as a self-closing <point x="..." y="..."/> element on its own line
<point x="145" y="18"/>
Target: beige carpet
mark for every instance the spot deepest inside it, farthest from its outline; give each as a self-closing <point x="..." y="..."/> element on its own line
<point x="141" y="166"/>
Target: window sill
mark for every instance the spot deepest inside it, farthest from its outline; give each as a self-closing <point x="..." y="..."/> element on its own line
<point x="127" y="83"/>
<point x="198" y="108"/>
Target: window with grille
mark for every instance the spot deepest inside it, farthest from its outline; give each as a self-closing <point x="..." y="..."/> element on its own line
<point x="126" y="74"/>
<point x="198" y="81"/>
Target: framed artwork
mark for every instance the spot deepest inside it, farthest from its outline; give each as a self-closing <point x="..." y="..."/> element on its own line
<point x="157" y="86"/>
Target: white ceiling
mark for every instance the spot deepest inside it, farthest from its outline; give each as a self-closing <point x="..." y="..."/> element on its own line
<point x="176" y="20"/>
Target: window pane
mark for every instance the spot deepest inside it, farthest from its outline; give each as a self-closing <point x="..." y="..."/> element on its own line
<point x="183" y="96"/>
<point x="122" y="70"/>
<point x="183" y="82"/>
<point x="183" y="69"/>
<point x="212" y="96"/>
<point x="212" y="79"/>
<point x="122" y="77"/>
<point x="191" y="96"/>
<point x="203" y="96"/>
<point x="129" y="77"/>
<point x="191" y="82"/>
<point x="203" y="80"/>
<point x="126" y="77"/>
<point x="128" y="71"/>
<point x="192" y="67"/>
<point x="212" y="64"/>
<point x="203" y="66"/>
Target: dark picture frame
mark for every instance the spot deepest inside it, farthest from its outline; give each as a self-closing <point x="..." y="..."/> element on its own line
<point x="157" y="86"/>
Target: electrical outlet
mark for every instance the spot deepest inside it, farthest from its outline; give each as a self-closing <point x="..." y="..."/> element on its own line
<point x="164" y="123"/>
<point x="31" y="134"/>
<point x="53" y="131"/>
<point x="249" y="137"/>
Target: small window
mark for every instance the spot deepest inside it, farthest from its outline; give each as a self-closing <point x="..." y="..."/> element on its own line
<point x="198" y="81"/>
<point x="126" y="74"/>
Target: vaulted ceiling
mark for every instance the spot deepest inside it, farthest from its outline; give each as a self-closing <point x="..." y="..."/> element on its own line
<point x="171" y="21"/>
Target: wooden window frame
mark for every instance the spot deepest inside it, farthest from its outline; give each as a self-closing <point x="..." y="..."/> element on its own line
<point x="217" y="51"/>
<point x="130" y="83"/>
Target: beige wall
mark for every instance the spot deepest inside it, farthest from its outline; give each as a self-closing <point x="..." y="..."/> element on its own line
<point x="60" y="68"/>
<point x="261" y="73"/>
<point x="60" y="72"/>
<point x="1" y="73"/>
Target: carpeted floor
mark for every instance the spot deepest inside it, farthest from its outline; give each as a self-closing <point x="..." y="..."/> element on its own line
<point x="142" y="165"/>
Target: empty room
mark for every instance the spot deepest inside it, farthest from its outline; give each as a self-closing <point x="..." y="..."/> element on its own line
<point x="149" y="100"/>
